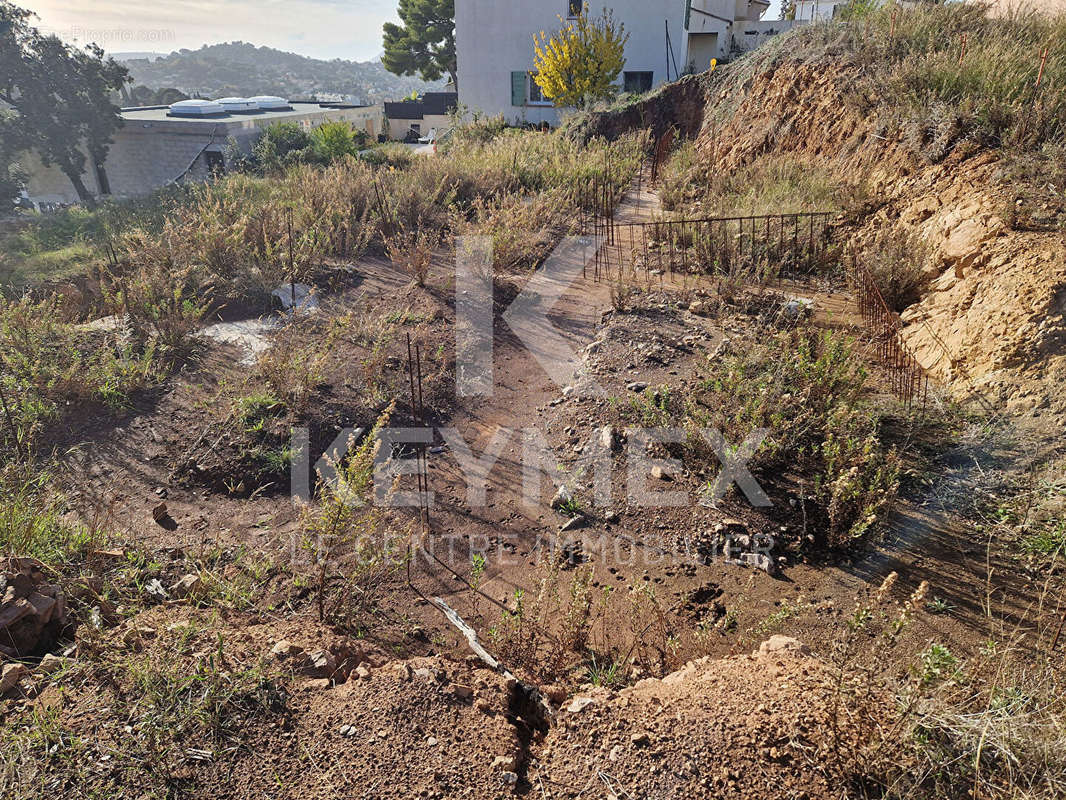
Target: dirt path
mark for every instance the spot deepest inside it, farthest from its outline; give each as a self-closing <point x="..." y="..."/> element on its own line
<point x="128" y="470"/>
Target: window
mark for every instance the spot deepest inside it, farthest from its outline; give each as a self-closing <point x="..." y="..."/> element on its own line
<point x="637" y="82"/>
<point x="525" y="92"/>
<point x="575" y="8"/>
<point x="535" y="94"/>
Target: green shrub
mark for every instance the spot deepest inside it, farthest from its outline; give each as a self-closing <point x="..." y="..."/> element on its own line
<point x="332" y="141"/>
<point x="282" y="144"/>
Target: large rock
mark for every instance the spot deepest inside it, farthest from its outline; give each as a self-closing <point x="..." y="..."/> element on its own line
<point x="784" y="645"/>
<point x="32" y="612"/>
<point x="10" y="675"/>
<point x="965" y="248"/>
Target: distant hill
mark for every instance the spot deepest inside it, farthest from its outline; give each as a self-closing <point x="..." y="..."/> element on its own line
<point x="150" y="56"/>
<point x="239" y="68"/>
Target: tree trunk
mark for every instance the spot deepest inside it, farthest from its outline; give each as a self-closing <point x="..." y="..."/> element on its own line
<point x="455" y="77"/>
<point x="79" y="186"/>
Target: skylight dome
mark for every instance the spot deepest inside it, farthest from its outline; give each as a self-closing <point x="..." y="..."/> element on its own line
<point x="195" y="108"/>
<point x="237" y="105"/>
<point x="271" y="103"/>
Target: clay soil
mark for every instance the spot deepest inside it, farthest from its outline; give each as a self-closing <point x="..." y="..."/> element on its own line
<point x="427" y="720"/>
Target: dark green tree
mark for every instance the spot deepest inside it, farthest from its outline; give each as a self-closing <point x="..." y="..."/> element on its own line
<point x="425" y="43"/>
<point x="12" y="179"/>
<point x="61" y="96"/>
<point x="164" y="97"/>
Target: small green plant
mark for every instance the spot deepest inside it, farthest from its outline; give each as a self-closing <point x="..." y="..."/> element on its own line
<point x="938" y="605"/>
<point x="935" y="664"/>
<point x="606" y="673"/>
<point x="571" y="507"/>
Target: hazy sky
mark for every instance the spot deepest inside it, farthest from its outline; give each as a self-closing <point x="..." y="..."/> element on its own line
<point x="349" y="29"/>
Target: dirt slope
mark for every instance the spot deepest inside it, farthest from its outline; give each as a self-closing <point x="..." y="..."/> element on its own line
<point x="990" y="320"/>
<point x="745" y="726"/>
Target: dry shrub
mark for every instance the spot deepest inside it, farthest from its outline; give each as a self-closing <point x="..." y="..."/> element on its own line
<point x="564" y="622"/>
<point x="773" y="184"/>
<point x="352" y="550"/>
<point x="896" y="259"/>
<point x="524" y="229"/>
<point x="293" y="366"/>
<point x="622" y="291"/>
<point x="48" y="366"/>
<point x="992" y="723"/>
<point x="161" y="301"/>
<point x="411" y="250"/>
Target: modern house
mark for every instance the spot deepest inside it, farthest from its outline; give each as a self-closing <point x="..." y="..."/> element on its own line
<point x="160" y="145"/>
<point x="667" y="39"/>
<point x="811" y="10"/>
<point x="417" y="118"/>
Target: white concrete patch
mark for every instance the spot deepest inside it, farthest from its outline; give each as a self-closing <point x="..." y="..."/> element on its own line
<point x="251" y="336"/>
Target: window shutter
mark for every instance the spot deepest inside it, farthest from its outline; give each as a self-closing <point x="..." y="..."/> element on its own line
<point x="518" y="88"/>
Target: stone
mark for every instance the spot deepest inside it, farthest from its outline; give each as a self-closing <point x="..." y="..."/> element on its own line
<point x="697" y="307"/>
<point x="11" y="675"/>
<point x="660" y="474"/>
<point x="607" y="437"/>
<point x="462" y="691"/>
<point x="761" y="561"/>
<point x="636" y="386"/>
<point x="362" y="672"/>
<point x="561" y="497"/>
<point x="50" y="664"/>
<point x="506" y="763"/>
<point x="509" y="778"/>
<point x="579" y="704"/>
<point x="189" y="586"/>
<point x="783" y="645"/>
<point x="43" y="606"/>
<point x="13" y="611"/>
<point x="964" y="249"/>
<point x="160" y="513"/>
<point x="574" y="523"/>
<point x="640" y="739"/>
<point x="321" y="664"/>
<point x="285" y="648"/>
<point x="155" y="589"/>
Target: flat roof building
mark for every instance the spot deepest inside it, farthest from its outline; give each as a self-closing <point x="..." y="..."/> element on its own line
<point x="431" y="113"/>
<point x="161" y="145"/>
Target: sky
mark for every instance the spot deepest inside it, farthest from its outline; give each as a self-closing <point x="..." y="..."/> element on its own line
<point x="348" y="29"/>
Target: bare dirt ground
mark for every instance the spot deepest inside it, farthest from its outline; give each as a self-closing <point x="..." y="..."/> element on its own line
<point x="424" y="721"/>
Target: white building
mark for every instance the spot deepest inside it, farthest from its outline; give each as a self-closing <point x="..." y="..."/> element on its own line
<point x="667" y="38"/>
<point x="811" y="10"/>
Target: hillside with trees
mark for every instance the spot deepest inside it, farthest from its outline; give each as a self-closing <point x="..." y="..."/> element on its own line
<point x="239" y="68"/>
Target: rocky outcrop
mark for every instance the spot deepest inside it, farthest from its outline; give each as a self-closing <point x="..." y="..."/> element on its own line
<point x="33" y="611"/>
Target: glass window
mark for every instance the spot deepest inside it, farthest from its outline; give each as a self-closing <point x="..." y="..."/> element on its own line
<point x="637" y="82"/>
<point x="535" y="94"/>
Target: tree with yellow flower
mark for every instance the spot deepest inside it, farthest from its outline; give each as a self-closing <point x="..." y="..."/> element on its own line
<point x="580" y="63"/>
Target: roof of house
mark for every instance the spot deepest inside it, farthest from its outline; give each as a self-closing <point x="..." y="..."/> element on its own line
<point x="431" y="104"/>
<point x="296" y="109"/>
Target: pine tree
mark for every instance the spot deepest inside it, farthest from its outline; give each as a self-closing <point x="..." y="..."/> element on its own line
<point x="425" y="43"/>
